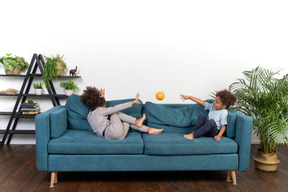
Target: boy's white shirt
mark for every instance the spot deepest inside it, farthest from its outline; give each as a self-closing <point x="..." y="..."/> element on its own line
<point x="219" y="116"/>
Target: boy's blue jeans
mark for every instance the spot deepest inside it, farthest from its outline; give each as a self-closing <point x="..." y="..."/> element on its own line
<point x="205" y="127"/>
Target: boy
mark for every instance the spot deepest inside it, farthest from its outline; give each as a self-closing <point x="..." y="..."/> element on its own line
<point x="215" y="124"/>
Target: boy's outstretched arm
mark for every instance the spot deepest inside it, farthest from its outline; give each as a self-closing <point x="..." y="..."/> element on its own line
<point x="197" y="100"/>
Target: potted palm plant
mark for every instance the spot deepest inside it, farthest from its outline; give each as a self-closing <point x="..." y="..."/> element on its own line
<point x="265" y="98"/>
<point x="69" y="87"/>
<point x="13" y="65"/>
<point x="53" y="67"/>
<point x="38" y="88"/>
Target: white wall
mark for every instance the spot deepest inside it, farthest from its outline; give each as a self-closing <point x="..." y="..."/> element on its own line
<point x="189" y="47"/>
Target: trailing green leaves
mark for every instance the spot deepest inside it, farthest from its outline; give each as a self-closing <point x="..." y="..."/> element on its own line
<point x="50" y="69"/>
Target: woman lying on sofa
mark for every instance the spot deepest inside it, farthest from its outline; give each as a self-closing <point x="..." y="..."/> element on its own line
<point x="109" y="122"/>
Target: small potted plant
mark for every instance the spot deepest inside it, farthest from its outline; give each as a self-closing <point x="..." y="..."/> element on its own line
<point x="13" y="65"/>
<point x="53" y="67"/>
<point x="69" y="87"/>
<point x="38" y="88"/>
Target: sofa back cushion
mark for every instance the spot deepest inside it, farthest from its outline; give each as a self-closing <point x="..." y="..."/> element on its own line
<point x="77" y="112"/>
<point x="231" y="127"/>
<point x="176" y="115"/>
<point x="134" y="111"/>
<point x="181" y="116"/>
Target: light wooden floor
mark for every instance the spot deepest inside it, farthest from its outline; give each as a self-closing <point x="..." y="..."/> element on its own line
<point x="18" y="173"/>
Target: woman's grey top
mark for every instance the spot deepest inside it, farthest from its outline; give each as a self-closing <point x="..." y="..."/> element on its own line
<point x="98" y="118"/>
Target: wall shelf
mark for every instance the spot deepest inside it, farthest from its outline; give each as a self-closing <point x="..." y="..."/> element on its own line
<point x="37" y="62"/>
<point x="33" y="95"/>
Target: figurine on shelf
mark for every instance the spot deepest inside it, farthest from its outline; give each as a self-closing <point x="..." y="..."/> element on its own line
<point x="73" y="72"/>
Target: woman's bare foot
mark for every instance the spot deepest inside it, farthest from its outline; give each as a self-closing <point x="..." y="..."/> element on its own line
<point x="137" y="96"/>
<point x="139" y="122"/>
<point x="189" y="136"/>
<point x="153" y="131"/>
<point x="136" y="101"/>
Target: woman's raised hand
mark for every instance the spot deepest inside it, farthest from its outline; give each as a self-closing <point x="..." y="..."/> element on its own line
<point x="102" y="92"/>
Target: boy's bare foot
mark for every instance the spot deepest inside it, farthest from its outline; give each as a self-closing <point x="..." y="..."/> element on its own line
<point x="189" y="136"/>
<point x="139" y="122"/>
<point x="153" y="131"/>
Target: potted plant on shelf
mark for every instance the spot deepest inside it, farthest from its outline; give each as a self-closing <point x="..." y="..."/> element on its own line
<point x="265" y="98"/>
<point x="38" y="88"/>
<point x="13" y="65"/>
<point x="53" y="67"/>
<point x="69" y="87"/>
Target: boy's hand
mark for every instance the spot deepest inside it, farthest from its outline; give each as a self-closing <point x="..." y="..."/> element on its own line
<point x="184" y="97"/>
<point x="199" y="101"/>
<point x="217" y="138"/>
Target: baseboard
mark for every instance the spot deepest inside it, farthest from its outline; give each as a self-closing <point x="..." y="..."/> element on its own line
<point x="256" y="141"/>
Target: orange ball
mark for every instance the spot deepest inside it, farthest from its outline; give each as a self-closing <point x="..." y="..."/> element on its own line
<point x="160" y="95"/>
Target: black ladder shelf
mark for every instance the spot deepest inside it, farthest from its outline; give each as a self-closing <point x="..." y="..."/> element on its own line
<point x="36" y="62"/>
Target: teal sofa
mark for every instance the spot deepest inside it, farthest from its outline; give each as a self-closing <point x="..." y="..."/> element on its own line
<point x="65" y="141"/>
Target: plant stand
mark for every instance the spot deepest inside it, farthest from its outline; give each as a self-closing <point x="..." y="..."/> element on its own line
<point x="37" y="61"/>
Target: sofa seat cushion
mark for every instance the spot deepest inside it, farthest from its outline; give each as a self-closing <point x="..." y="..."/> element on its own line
<point x="87" y="142"/>
<point x="172" y="129"/>
<point x="169" y="143"/>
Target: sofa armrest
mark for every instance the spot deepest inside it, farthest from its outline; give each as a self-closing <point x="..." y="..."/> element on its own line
<point x="43" y="136"/>
<point x="244" y="125"/>
<point x="58" y="122"/>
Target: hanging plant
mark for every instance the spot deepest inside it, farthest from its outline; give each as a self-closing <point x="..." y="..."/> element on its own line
<point x="53" y="67"/>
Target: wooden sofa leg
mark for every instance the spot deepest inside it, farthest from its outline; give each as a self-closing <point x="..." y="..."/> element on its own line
<point x="228" y="180"/>
<point x="234" y="177"/>
<point x="56" y="178"/>
<point x="53" y="179"/>
<point x="233" y="174"/>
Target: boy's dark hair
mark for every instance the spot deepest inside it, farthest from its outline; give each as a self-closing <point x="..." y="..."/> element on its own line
<point x="91" y="98"/>
<point x="227" y="98"/>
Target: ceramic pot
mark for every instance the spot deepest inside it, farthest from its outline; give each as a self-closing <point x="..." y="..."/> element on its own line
<point x="266" y="161"/>
<point x="15" y="71"/>
<point x="38" y="91"/>
<point x="68" y="92"/>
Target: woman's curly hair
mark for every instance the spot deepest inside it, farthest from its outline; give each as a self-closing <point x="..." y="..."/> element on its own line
<point x="227" y="98"/>
<point x="91" y="98"/>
